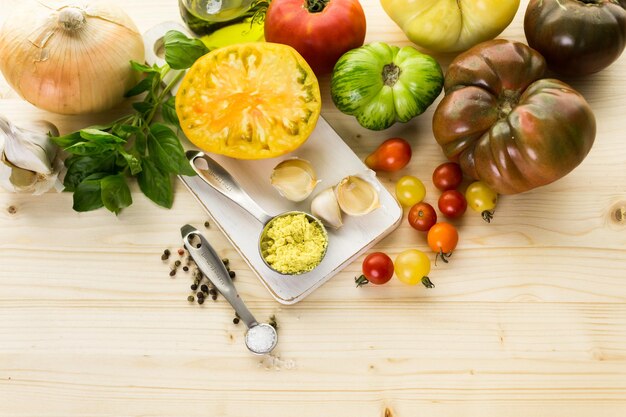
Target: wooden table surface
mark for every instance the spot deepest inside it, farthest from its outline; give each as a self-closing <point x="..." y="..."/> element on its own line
<point x="528" y="319"/>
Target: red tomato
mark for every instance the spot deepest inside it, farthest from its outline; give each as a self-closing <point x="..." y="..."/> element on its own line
<point x="443" y="238"/>
<point x="377" y="268"/>
<point x="452" y="204"/>
<point x="422" y="217"/>
<point x="320" y="30"/>
<point x="391" y="155"/>
<point x="447" y="176"/>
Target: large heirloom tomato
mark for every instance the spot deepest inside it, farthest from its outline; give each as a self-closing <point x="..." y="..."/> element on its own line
<point x="321" y="30"/>
<point x="380" y="84"/>
<point x="576" y="37"/>
<point x="249" y="101"/>
<point x="451" y="25"/>
<point x="505" y="124"/>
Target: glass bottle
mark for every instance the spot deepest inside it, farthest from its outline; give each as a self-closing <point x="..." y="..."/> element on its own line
<point x="224" y="22"/>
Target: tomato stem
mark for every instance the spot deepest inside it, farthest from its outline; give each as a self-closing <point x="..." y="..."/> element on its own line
<point x="444" y="256"/>
<point x="426" y="282"/>
<point x="507" y="102"/>
<point x="361" y="281"/>
<point x="391" y="74"/>
<point x="487" y="215"/>
<point x="316" y="6"/>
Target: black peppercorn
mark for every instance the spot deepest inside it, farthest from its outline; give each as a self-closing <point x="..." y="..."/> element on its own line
<point x="200" y="295"/>
<point x="236" y="320"/>
<point x="206" y="224"/>
<point x="194" y="287"/>
<point x="177" y="263"/>
<point x="185" y="268"/>
<point x="200" y="300"/>
<point x="214" y="297"/>
<point x="190" y="299"/>
<point x="231" y="274"/>
<point x="204" y="288"/>
<point x="172" y="272"/>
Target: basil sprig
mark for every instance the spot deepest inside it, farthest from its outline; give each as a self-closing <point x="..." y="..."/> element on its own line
<point x="103" y="159"/>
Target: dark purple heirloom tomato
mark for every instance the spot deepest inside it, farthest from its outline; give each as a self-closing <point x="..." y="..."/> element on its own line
<point x="576" y="37"/>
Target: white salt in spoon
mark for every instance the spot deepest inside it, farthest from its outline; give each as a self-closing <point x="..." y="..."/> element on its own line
<point x="260" y="338"/>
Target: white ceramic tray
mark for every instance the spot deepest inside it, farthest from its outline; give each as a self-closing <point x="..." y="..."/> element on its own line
<point x="332" y="160"/>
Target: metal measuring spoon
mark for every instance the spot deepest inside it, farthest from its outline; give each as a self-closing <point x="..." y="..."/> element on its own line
<point x="221" y="181"/>
<point x="260" y="338"/>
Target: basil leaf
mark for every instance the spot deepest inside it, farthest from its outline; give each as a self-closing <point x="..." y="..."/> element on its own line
<point x="143" y="67"/>
<point x="180" y="51"/>
<point x="115" y="193"/>
<point x="156" y="184"/>
<point x="165" y="149"/>
<point x="168" y="110"/>
<point x="66" y="141"/>
<point x="88" y="195"/>
<point x="141" y="143"/>
<point x="124" y="131"/>
<point x="141" y="87"/>
<point x="143" y="107"/>
<point x="133" y="163"/>
<point x="89" y="148"/>
<point x="81" y="167"/>
<point x="99" y="136"/>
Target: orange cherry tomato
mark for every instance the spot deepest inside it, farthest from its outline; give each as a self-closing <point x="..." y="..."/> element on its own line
<point x="442" y="239"/>
<point x="392" y="155"/>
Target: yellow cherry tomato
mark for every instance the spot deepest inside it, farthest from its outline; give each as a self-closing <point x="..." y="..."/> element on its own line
<point x="410" y="191"/>
<point x="412" y="266"/>
<point x="482" y="199"/>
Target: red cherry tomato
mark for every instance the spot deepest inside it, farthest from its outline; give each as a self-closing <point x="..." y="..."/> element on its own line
<point x="321" y="31"/>
<point x="452" y="204"/>
<point x="392" y="155"/>
<point x="447" y="176"/>
<point x="377" y="268"/>
<point x="422" y="217"/>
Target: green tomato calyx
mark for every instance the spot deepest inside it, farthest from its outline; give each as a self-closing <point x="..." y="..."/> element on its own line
<point x="391" y="74"/>
<point x="316" y="6"/>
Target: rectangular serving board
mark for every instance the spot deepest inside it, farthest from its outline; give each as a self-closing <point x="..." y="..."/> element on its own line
<point x="333" y="160"/>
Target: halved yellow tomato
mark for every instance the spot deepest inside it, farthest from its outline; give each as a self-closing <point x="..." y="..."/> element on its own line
<point x="249" y="101"/>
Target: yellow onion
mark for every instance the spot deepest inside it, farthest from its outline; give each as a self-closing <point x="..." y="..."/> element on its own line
<point x="70" y="56"/>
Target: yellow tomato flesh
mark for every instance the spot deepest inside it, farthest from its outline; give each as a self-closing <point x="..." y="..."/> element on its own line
<point x="249" y="101"/>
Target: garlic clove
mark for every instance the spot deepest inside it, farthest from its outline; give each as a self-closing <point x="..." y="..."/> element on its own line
<point x="326" y="208"/>
<point x="357" y="196"/>
<point x="295" y="179"/>
<point x="28" y="160"/>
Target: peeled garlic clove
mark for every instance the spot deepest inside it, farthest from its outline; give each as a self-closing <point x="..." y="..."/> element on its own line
<point x="294" y="179"/>
<point x="357" y="196"/>
<point x="326" y="208"/>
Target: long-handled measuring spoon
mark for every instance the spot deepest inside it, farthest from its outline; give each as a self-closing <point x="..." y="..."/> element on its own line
<point x="221" y="181"/>
<point x="260" y="338"/>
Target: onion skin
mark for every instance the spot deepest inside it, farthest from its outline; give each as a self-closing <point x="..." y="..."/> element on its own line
<point x="70" y="62"/>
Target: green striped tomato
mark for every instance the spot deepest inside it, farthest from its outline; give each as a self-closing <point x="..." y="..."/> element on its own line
<point x="381" y="84"/>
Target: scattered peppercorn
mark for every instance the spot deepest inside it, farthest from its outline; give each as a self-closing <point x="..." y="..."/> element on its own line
<point x="204" y="288"/>
<point x="185" y="268"/>
<point x="167" y="252"/>
<point x="164" y="257"/>
<point x="172" y="272"/>
<point x="214" y="297"/>
<point x="226" y="261"/>
<point x="206" y="224"/>
<point x="198" y="246"/>
<point x="236" y="320"/>
<point x="190" y="299"/>
<point x="177" y="263"/>
<point x="200" y="294"/>
<point x="231" y="274"/>
<point x="213" y="292"/>
<point x="200" y="300"/>
<point x="194" y="287"/>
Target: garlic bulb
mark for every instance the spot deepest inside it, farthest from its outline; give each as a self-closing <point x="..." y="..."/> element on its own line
<point x="326" y="208"/>
<point x="70" y="56"/>
<point x="357" y="196"/>
<point x="28" y="160"/>
<point x="294" y="179"/>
